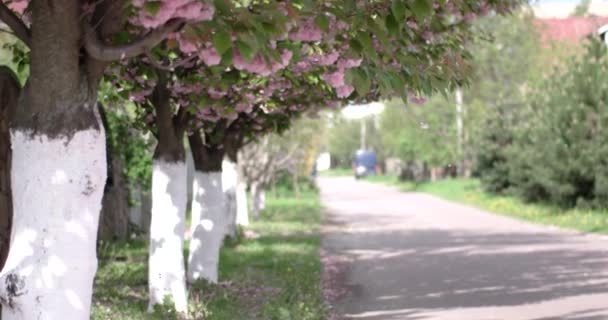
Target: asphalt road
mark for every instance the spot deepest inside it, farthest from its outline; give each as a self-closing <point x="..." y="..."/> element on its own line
<point x="415" y="256"/>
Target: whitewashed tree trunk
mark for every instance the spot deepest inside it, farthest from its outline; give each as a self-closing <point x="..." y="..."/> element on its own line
<point x="257" y="199"/>
<point x="208" y="226"/>
<point x="229" y="180"/>
<point x="167" y="227"/>
<point x="57" y="184"/>
<point x="242" y="209"/>
<point x="262" y="198"/>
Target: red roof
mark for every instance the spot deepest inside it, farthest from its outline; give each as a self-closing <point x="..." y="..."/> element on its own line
<point x="571" y="29"/>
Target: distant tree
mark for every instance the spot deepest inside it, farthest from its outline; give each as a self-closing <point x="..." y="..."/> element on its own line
<point x="506" y="67"/>
<point x="581" y="9"/>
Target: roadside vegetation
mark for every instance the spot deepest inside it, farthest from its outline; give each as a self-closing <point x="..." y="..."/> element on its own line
<point x="272" y="271"/>
<point x="470" y="192"/>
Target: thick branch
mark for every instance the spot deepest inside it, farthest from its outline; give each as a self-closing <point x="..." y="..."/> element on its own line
<point x="104" y="52"/>
<point x="16" y="24"/>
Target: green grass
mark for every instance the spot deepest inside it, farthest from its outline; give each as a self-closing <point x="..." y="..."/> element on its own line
<point x="468" y="191"/>
<point x="273" y="275"/>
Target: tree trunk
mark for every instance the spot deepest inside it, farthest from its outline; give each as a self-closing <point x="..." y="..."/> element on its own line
<point x="242" y="210"/>
<point x="167" y="227"/>
<point x="166" y="274"/>
<point x="257" y="199"/>
<point x="9" y="94"/>
<point x="57" y="176"/>
<point x="295" y="183"/>
<point x="262" y="196"/>
<point x="229" y="180"/>
<point x="208" y="211"/>
<point x="114" y="217"/>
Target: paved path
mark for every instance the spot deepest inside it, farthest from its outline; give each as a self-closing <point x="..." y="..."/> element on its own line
<point x="414" y="256"/>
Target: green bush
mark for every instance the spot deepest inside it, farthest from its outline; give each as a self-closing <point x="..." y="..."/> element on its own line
<point x="559" y="149"/>
<point x="131" y="146"/>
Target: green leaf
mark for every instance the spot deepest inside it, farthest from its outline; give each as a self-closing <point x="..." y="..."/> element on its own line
<point x="392" y="25"/>
<point x="245" y="50"/>
<point x="366" y="40"/>
<point x="227" y="57"/>
<point x="398" y="8"/>
<point x="222" y="42"/>
<point x="322" y="21"/>
<point x="222" y="6"/>
<point x="356" y="45"/>
<point x="422" y="8"/>
<point x="361" y="82"/>
<point x="152" y="7"/>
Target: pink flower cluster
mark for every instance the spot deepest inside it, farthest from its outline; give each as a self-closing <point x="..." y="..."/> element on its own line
<point x="308" y="61"/>
<point x="259" y="66"/>
<point x="190" y="10"/>
<point x="336" y="78"/>
<point x="209" y="56"/>
<point x="18" y="6"/>
<point x="307" y="31"/>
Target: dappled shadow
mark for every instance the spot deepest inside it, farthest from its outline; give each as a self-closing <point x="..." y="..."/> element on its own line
<point x="422" y="261"/>
<point x="438" y="269"/>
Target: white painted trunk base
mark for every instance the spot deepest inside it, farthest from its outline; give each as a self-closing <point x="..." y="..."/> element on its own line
<point x="242" y="210"/>
<point x="258" y="199"/>
<point x="229" y="179"/>
<point x="166" y="277"/>
<point x="57" y="185"/>
<point x="208" y="226"/>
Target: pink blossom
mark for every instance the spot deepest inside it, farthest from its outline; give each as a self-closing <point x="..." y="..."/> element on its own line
<point x="191" y="10"/>
<point x="186" y="45"/>
<point x="216" y="94"/>
<point x="335" y="79"/>
<point x="18" y="6"/>
<point x="210" y="57"/>
<point x="417" y="99"/>
<point x="411" y="23"/>
<point x="243" y="107"/>
<point x="349" y="63"/>
<point x="308" y="31"/>
<point x="427" y="35"/>
<point x="302" y="67"/>
<point x="344" y="91"/>
<point x="328" y="59"/>
<point x="140" y="96"/>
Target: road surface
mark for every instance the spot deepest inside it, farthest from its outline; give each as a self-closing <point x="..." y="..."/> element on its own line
<point x="413" y="256"/>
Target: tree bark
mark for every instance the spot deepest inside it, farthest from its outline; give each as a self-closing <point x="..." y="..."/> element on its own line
<point x="167" y="276"/>
<point x="257" y="199"/>
<point x="114" y="217"/>
<point x="229" y="181"/>
<point x="208" y="211"/>
<point x="57" y="176"/>
<point x="9" y="95"/>
<point x="167" y="227"/>
<point x="242" y="209"/>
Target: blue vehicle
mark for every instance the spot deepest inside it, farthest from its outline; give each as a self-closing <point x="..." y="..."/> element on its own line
<point x="365" y="163"/>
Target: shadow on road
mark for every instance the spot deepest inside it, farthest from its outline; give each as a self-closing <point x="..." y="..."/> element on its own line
<point x="413" y="256"/>
<point x="438" y="269"/>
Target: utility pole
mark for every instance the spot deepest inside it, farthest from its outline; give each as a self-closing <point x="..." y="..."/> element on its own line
<point x="459" y="132"/>
<point x="363" y="133"/>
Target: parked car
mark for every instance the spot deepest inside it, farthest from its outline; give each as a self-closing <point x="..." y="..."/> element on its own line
<point x="365" y="163"/>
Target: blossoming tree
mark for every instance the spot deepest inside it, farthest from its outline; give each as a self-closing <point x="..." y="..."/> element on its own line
<point x="58" y="170"/>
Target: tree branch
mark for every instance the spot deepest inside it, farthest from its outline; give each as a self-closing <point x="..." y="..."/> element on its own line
<point x="21" y="31"/>
<point x="171" y="67"/>
<point x="104" y="52"/>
